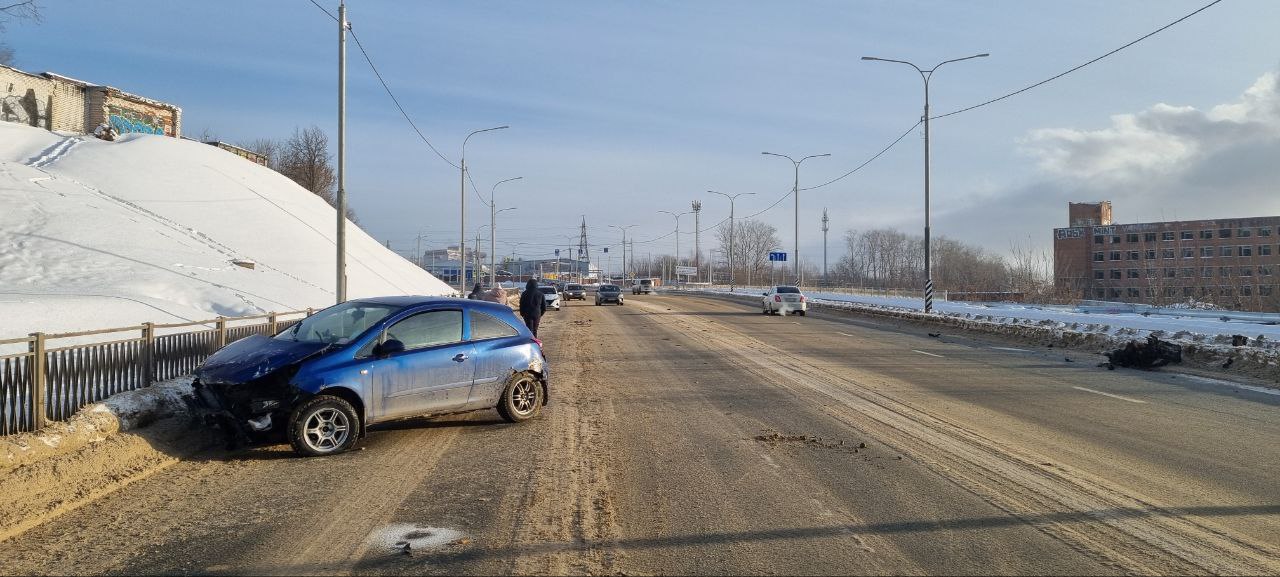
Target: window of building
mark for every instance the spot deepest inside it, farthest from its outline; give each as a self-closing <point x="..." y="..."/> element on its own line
<point x="1226" y="251"/>
<point x="1206" y="291"/>
<point x="1166" y="235"/>
<point x="1150" y="254"/>
<point x="1226" y="291"/>
<point x="1166" y="253"/>
<point x="1264" y="250"/>
<point x="1188" y="272"/>
<point x="1170" y="291"/>
<point x="1246" y="290"/>
<point x="1099" y="293"/>
<point x="1224" y="271"/>
<point x="1170" y="272"/>
<point x="1151" y="273"/>
<point x="1246" y="271"/>
<point x="1188" y="291"/>
<point x="1097" y="257"/>
<point x="1135" y="254"/>
<point x="1134" y="292"/>
<point x="1224" y="233"/>
<point x="1188" y="235"/>
<point x="1115" y="255"/>
<point x="1115" y="239"/>
<point x="1244" y="233"/>
<point x="1246" y="251"/>
<point x="1264" y="231"/>
<point x="1133" y="273"/>
<point x="1099" y="274"/>
<point x="1206" y="272"/>
<point x="1206" y="234"/>
<point x="1206" y="251"/>
<point x="1117" y="274"/>
<point x="1097" y="239"/>
<point x="1115" y="293"/>
<point x="1131" y="237"/>
<point x="1264" y="270"/>
<point x="1264" y="290"/>
<point x="1149" y="237"/>
<point x="1188" y="253"/>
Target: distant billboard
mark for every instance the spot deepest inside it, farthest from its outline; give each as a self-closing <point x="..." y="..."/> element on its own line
<point x="686" y="270"/>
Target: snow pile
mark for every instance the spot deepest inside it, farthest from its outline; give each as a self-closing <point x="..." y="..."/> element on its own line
<point x="97" y="234"/>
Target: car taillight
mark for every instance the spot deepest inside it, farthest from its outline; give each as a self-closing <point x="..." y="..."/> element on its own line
<point x="777" y="298"/>
<point x="535" y="339"/>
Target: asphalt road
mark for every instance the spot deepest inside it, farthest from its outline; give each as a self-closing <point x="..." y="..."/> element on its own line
<point x="691" y="435"/>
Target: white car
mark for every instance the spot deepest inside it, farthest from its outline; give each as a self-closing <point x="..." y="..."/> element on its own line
<point x="783" y="300"/>
<point x="552" y="295"/>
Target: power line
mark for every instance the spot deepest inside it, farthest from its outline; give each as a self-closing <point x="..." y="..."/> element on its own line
<point x="1055" y="77"/>
<point x="861" y="166"/>
<point x="385" y="87"/>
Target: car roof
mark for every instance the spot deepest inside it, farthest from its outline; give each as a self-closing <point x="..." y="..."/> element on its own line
<point x="417" y="300"/>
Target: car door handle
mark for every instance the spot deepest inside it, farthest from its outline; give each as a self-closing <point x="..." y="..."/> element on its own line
<point x="458" y="358"/>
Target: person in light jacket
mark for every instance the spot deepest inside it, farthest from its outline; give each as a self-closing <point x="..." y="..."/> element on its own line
<point x="532" y="305"/>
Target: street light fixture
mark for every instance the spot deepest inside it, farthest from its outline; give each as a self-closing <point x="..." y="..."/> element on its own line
<point x="926" y="75"/>
<point x="624" y="245"/>
<point x="795" y="191"/>
<point x="462" y="219"/>
<point x="731" y="231"/>
<point x="492" y="227"/>
<point x="677" y="216"/>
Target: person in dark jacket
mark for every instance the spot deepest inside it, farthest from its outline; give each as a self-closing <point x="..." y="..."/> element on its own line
<point x="475" y="292"/>
<point x="532" y="305"/>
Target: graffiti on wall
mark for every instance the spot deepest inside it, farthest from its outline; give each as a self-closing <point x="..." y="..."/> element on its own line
<point x="23" y="109"/>
<point x="129" y="120"/>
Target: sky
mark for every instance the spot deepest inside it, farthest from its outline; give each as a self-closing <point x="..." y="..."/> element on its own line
<point x="619" y="110"/>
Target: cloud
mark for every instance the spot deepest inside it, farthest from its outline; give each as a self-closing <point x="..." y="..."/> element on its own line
<point x="1162" y="142"/>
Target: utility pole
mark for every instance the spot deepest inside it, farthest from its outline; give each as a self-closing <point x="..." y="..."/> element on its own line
<point x="417" y="256"/>
<point x="341" y="291"/>
<point x="824" y="245"/>
<point x="697" y="246"/>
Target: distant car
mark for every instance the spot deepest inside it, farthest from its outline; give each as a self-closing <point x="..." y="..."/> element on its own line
<point x="783" y="300"/>
<point x="642" y="286"/>
<point x="552" y="295"/>
<point x="574" y="291"/>
<point x="608" y="293"/>
<point x="322" y="381"/>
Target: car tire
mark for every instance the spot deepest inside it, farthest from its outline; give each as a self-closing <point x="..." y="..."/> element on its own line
<point x="322" y="426"/>
<point x="521" y="398"/>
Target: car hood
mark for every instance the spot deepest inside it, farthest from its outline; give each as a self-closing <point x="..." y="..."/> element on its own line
<point x="253" y="357"/>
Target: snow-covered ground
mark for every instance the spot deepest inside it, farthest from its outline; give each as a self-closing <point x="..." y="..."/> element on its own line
<point x="1205" y="326"/>
<point x="97" y="234"/>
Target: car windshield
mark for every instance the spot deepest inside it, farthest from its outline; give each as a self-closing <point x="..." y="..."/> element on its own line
<point x="787" y="289"/>
<point x="547" y="290"/>
<point x="574" y="287"/>
<point x="337" y="324"/>
<point x="609" y="288"/>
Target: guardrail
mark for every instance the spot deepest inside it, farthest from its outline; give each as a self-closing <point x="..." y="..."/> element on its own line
<point x="50" y="383"/>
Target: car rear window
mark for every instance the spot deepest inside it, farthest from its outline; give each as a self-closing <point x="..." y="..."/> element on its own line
<point x="787" y="289"/>
<point x="547" y="290"/>
<point x="484" y="326"/>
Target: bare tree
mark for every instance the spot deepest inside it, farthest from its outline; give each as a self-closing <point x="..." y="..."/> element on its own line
<point x="305" y="159"/>
<point x="752" y="242"/>
<point x="26" y="10"/>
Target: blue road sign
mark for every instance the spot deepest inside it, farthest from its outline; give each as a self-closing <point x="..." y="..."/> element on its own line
<point x="778" y="256"/>
<point x="557" y="252"/>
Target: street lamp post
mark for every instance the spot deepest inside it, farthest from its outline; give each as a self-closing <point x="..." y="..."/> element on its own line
<point x="926" y="75"/>
<point x="795" y="191"/>
<point x="677" y="216"/>
<point x="493" y="272"/>
<point x="462" y="219"/>
<point x="731" y="231"/>
<point x="624" y="245"/>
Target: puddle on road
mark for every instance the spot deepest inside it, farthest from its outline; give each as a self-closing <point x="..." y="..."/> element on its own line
<point x="413" y="538"/>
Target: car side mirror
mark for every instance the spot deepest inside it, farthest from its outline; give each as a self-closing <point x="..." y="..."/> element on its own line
<point x="387" y="348"/>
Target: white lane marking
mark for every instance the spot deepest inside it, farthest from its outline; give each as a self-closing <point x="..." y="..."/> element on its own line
<point x="930" y="354"/>
<point x="1222" y="383"/>
<point x="1109" y="395"/>
<point x="1016" y="350"/>
<point x="845" y="334"/>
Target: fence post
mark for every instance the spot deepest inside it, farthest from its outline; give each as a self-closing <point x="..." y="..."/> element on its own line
<point x="148" y="354"/>
<point x="39" y="385"/>
<point x="271" y="322"/>
<point x="222" y="331"/>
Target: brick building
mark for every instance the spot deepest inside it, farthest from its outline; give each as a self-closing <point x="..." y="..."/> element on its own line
<point x="55" y="102"/>
<point x="1232" y="262"/>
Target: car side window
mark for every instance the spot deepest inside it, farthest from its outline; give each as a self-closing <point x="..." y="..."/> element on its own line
<point x="484" y="326"/>
<point x="428" y="329"/>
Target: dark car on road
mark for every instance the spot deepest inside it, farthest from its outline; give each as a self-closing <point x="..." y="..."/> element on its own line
<point x="574" y="291"/>
<point x="321" y="382"/>
<point x="608" y="293"/>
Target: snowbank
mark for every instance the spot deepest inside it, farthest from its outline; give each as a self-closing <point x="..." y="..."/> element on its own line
<point x="97" y="234"/>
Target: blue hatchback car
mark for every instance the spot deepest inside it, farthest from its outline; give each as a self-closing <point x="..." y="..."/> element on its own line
<point x="321" y="382"/>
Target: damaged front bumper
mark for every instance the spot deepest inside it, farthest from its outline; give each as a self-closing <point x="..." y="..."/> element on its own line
<point x="245" y="413"/>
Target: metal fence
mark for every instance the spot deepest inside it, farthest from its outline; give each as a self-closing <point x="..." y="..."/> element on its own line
<point x="50" y="383"/>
